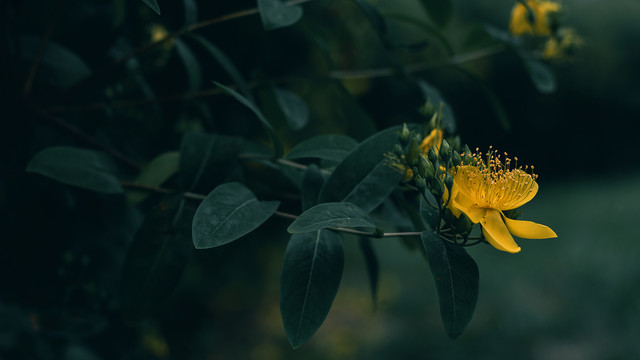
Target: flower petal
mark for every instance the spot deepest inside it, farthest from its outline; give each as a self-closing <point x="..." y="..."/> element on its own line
<point x="528" y="229"/>
<point x="464" y="204"/>
<point x="525" y="199"/>
<point x="497" y="233"/>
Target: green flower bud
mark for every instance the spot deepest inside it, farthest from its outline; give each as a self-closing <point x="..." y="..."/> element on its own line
<point x="413" y="153"/>
<point x="463" y="224"/>
<point x="405" y="133"/>
<point x="457" y="160"/>
<point x="425" y="168"/>
<point x="397" y="149"/>
<point x="467" y="158"/>
<point x="431" y="154"/>
<point x="427" y="109"/>
<point x="421" y="183"/>
<point x="448" y="181"/>
<point x="445" y="151"/>
<point x="437" y="187"/>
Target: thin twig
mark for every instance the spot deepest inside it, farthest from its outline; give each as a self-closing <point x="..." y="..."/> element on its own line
<point x="43" y="47"/>
<point x="184" y="30"/>
<point x="91" y="140"/>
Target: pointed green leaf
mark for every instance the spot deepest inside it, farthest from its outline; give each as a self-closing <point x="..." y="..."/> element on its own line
<point x="229" y="212"/>
<point x="326" y="215"/>
<point x="356" y="176"/>
<point x="226" y="64"/>
<point x="275" y="14"/>
<point x="439" y="11"/>
<point x="159" y="170"/>
<point x="206" y="160"/>
<point x="88" y="169"/>
<point x="153" y="4"/>
<point x="156" y="258"/>
<point x="371" y="262"/>
<point x="542" y="77"/>
<point x="277" y="145"/>
<point x="329" y="147"/>
<point x="456" y="278"/>
<point x="59" y="66"/>
<point x="191" y="64"/>
<point x="429" y="214"/>
<point x="190" y="12"/>
<point x="312" y="182"/>
<point x="295" y="110"/>
<point x="311" y="273"/>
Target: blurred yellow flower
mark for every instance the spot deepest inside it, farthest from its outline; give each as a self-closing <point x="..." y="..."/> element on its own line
<point x="522" y="21"/>
<point x="484" y="192"/>
<point x="563" y="45"/>
<point x="433" y="139"/>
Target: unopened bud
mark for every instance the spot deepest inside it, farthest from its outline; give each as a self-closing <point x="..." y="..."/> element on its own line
<point x="427" y="109"/>
<point x="437" y="187"/>
<point x="455" y="157"/>
<point x="445" y="151"/>
<point x="425" y="168"/>
<point x="463" y="224"/>
<point x="448" y="181"/>
<point x="405" y="133"/>
<point x="431" y="154"/>
<point x="421" y="183"/>
<point x="397" y="149"/>
<point x="413" y="153"/>
<point x="467" y="158"/>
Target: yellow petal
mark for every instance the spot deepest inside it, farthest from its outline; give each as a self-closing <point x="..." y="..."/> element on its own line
<point x="464" y="204"/>
<point x="528" y="229"/>
<point x="496" y="232"/>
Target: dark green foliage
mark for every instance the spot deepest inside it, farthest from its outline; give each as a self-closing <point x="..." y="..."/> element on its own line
<point x="87" y="169"/>
<point x="295" y="110"/>
<point x="439" y="11"/>
<point x="362" y="171"/>
<point x="372" y="264"/>
<point x="324" y="215"/>
<point x="229" y="212"/>
<point x="275" y="14"/>
<point x="311" y="274"/>
<point x="312" y="182"/>
<point x="456" y="277"/>
<point x="156" y="258"/>
<point x="153" y="4"/>
<point x="327" y="147"/>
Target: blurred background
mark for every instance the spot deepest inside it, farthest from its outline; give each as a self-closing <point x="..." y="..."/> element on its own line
<point x="62" y="248"/>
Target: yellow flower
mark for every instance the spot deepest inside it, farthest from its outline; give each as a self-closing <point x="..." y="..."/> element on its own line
<point x="433" y="139"/>
<point x="484" y="192"/>
<point x="563" y="45"/>
<point x="543" y="12"/>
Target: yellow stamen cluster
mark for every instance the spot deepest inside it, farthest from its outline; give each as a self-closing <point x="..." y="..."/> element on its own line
<point x="495" y="183"/>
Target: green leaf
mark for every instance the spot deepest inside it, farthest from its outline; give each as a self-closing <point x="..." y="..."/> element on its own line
<point x="87" y="169"/>
<point x="439" y="11"/>
<point x="277" y="145"/>
<point x="375" y="187"/>
<point x="226" y="64"/>
<point x="159" y="170"/>
<point x="275" y="14"/>
<point x="362" y="177"/>
<point x="295" y="110"/>
<point x="229" y="212"/>
<point x="456" y="277"/>
<point x="153" y="4"/>
<point x="329" y="147"/>
<point x="156" y="258"/>
<point x="430" y="215"/>
<point x="312" y="182"/>
<point x="371" y="262"/>
<point x="191" y="63"/>
<point x="311" y="273"/>
<point x="541" y="76"/>
<point x="190" y="12"/>
<point x="59" y="66"/>
<point x="380" y="26"/>
<point x="206" y="160"/>
<point x="340" y="214"/>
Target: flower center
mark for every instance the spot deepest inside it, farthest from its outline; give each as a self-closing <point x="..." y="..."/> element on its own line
<point x="495" y="184"/>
